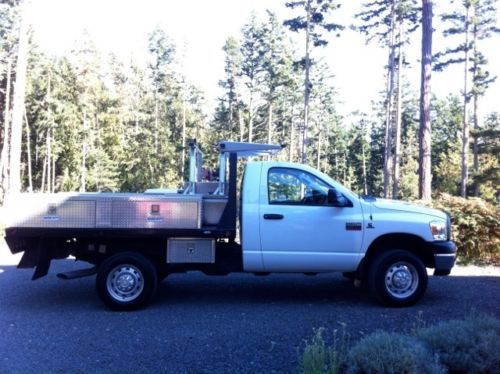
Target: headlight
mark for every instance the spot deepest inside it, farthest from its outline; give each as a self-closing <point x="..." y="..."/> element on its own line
<point x="438" y="230"/>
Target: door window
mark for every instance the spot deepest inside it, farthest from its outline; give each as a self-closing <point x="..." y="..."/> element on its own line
<point x="296" y="187"/>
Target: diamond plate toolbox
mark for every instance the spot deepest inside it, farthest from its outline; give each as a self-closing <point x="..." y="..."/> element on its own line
<point x="165" y="211"/>
<point x="104" y="210"/>
<point x="50" y="211"/>
<point x="190" y="251"/>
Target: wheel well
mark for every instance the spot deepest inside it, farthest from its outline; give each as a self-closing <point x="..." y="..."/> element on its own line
<point x="409" y="242"/>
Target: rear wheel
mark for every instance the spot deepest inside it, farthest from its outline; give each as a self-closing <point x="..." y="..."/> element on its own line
<point x="397" y="278"/>
<point x="126" y="281"/>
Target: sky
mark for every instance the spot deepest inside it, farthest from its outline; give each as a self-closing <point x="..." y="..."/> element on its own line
<point x="200" y="27"/>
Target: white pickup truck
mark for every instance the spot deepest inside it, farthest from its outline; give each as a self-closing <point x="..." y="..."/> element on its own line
<point x="291" y="218"/>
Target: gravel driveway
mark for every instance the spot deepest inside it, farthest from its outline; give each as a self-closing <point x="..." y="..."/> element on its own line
<point x="238" y="323"/>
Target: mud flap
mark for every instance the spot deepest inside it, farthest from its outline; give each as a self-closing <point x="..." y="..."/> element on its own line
<point x="39" y="258"/>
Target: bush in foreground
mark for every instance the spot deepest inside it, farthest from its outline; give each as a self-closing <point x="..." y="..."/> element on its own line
<point x="384" y="352"/>
<point x="465" y="346"/>
<point x="471" y="345"/>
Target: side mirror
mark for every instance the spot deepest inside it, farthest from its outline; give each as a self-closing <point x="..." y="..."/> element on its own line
<point x="337" y="200"/>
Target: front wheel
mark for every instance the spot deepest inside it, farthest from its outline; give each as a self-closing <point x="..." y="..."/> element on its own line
<point x="126" y="281"/>
<point x="397" y="278"/>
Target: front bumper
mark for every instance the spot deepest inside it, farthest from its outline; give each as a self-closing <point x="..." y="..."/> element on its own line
<point x="445" y="254"/>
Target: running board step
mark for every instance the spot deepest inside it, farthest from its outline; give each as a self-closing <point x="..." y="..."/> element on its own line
<point x="77" y="273"/>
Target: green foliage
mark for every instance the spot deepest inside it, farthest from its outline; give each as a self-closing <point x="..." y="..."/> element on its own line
<point x="100" y="125"/>
<point x="488" y="144"/>
<point x="475" y="227"/>
<point x="384" y="352"/>
<point x="97" y="123"/>
<point x="315" y="357"/>
<point x="318" y="11"/>
<point x="376" y="18"/>
<point x="468" y="346"/>
<point x="318" y="357"/>
<point x="457" y="346"/>
<point x="446" y="148"/>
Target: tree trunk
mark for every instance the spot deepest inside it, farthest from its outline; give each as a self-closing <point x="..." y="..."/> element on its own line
<point x="425" y="176"/>
<point x="475" y="113"/>
<point x="49" y="135"/>
<point x="250" y="118"/>
<point x="292" y="136"/>
<point x="44" y="172"/>
<point x="318" y="159"/>
<point x="397" y="145"/>
<point x="83" y="166"/>
<point x="156" y="121"/>
<point x="183" y="159"/>
<point x="363" y="159"/>
<point x="465" y="131"/>
<point x="18" y="107"/>
<point x="389" y="104"/>
<point x="28" y="156"/>
<point x="49" y="161"/>
<point x="4" y="162"/>
<point x="53" y="189"/>
<point x="270" y="122"/>
<point x="307" y="86"/>
<point x="231" y="118"/>
<point x="242" y="124"/>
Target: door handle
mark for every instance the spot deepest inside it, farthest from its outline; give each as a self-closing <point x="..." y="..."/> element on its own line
<point x="274" y="216"/>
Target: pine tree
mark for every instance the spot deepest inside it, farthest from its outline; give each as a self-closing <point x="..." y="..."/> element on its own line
<point x="8" y="41"/>
<point x="164" y="112"/>
<point x="313" y="21"/>
<point x="462" y="23"/>
<point x="488" y="147"/>
<point x="322" y="113"/>
<point x="18" y="104"/>
<point x="483" y="27"/>
<point x="424" y="139"/>
<point x="391" y="22"/>
<point x="252" y="53"/>
<point x="229" y="120"/>
<point x="278" y="68"/>
<point x="447" y="120"/>
<point x="359" y="155"/>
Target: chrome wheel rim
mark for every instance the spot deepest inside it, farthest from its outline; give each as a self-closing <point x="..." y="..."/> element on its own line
<point x="125" y="283"/>
<point x="401" y="280"/>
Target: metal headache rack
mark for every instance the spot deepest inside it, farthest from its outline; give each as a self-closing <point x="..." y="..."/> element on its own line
<point x="241" y="150"/>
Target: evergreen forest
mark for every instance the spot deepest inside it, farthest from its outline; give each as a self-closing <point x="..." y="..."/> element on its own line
<point x="94" y="122"/>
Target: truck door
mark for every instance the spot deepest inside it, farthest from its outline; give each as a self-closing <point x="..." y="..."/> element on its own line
<point x="299" y="231"/>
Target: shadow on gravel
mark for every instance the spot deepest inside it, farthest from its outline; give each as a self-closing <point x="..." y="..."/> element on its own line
<point x="45" y="294"/>
<point x="249" y="289"/>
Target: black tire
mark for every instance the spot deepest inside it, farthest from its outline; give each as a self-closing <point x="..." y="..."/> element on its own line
<point x="126" y="281"/>
<point x="397" y="278"/>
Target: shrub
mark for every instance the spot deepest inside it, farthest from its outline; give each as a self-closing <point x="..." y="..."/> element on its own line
<point x="465" y="346"/>
<point x="384" y="352"/>
<point x="319" y="358"/>
<point x="475" y="227"/>
<point x="471" y="345"/>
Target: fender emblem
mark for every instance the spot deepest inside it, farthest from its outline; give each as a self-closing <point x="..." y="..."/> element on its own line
<point x="370" y="225"/>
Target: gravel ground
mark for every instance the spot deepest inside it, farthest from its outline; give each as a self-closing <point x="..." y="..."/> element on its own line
<point x="238" y="323"/>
